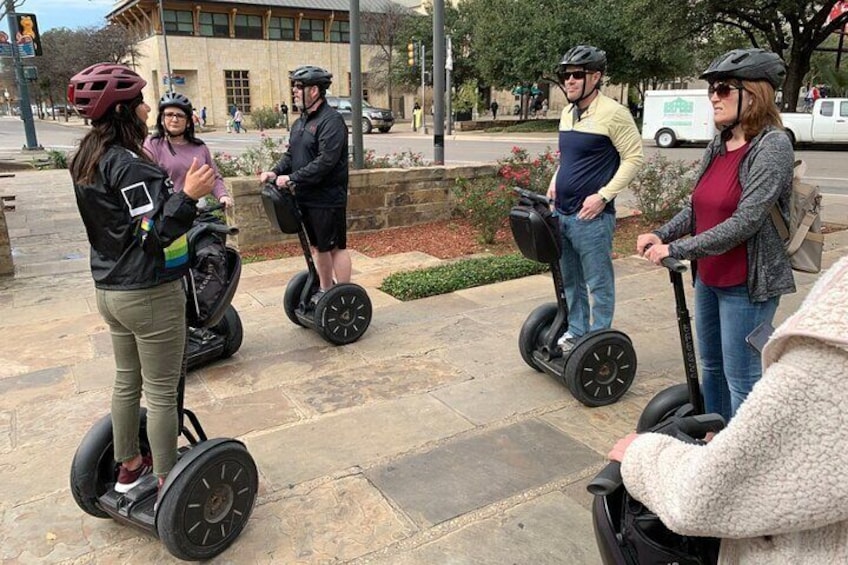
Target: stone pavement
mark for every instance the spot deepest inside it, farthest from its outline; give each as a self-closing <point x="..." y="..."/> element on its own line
<point x="428" y="441"/>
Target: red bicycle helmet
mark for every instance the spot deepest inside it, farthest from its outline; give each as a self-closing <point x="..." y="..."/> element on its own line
<point x="96" y="89"/>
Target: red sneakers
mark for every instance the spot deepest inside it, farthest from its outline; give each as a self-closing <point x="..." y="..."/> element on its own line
<point x="128" y="479"/>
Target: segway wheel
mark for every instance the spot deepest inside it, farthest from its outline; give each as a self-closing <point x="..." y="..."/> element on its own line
<point x="209" y="503"/>
<point x="534" y="329"/>
<point x="600" y="368"/>
<point x="665" y="404"/>
<point x="94" y="470"/>
<point x="343" y="313"/>
<point x="291" y="298"/>
<point x="231" y="329"/>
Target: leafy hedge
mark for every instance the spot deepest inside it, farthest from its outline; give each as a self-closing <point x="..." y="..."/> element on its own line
<point x="467" y="273"/>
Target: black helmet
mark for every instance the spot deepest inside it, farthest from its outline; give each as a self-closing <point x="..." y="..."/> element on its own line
<point x="181" y="101"/>
<point x="586" y="56"/>
<point x="310" y="75"/>
<point x="747" y="64"/>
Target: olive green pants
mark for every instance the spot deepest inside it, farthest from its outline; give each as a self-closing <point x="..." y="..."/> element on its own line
<point x="148" y="338"/>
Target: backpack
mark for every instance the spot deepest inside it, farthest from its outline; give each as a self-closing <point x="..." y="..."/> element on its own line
<point x="207" y="279"/>
<point x="803" y="237"/>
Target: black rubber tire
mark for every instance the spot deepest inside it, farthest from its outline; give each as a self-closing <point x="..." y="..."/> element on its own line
<point x="600" y="368"/>
<point x="291" y="298"/>
<point x="535" y="326"/>
<point x="93" y="469"/>
<point x="663" y="405"/>
<point x="343" y="313"/>
<point x="230" y="327"/>
<point x="209" y="503"/>
<point x="366" y="125"/>
<point x="666" y="139"/>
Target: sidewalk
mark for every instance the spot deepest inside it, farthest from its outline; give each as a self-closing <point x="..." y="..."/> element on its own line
<point x="427" y="441"/>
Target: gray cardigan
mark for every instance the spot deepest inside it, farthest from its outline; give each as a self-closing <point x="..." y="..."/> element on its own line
<point x="765" y="174"/>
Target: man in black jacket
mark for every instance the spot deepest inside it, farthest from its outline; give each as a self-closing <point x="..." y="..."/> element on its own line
<point x="316" y="166"/>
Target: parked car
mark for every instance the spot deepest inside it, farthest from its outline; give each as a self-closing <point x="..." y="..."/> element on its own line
<point x="827" y="123"/>
<point x="373" y="118"/>
<point x="62" y="110"/>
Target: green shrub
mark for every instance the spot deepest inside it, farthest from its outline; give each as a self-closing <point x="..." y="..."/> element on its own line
<point x="55" y="160"/>
<point x="466" y="273"/>
<point x="254" y="160"/>
<point x="663" y="186"/>
<point x="264" y="117"/>
<point x="486" y="202"/>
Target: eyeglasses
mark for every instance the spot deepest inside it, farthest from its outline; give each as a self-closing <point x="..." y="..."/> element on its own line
<point x="722" y="89"/>
<point x="298" y="87"/>
<point x="578" y="75"/>
<point x="174" y="116"/>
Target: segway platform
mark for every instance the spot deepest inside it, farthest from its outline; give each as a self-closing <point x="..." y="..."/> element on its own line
<point x="601" y="365"/>
<point x="342" y="314"/>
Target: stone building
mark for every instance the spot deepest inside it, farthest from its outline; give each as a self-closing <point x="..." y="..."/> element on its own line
<point x="240" y="52"/>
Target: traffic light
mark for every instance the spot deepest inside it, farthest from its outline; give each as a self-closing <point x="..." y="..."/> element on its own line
<point x="411" y="53"/>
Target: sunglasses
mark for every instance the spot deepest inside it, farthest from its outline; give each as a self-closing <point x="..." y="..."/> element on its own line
<point x="722" y="89"/>
<point x="298" y="87"/>
<point x="578" y="75"/>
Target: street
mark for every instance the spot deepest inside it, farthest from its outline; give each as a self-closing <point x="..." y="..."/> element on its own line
<point x="826" y="166"/>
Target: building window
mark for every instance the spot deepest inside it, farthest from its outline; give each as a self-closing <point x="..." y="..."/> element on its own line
<point x="248" y="27"/>
<point x="312" y="30"/>
<point x="281" y="29"/>
<point x="178" y="22"/>
<point x="214" y="25"/>
<point x="340" y="32"/>
<point x="237" y="84"/>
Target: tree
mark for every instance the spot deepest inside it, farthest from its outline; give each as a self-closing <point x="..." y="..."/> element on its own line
<point x="67" y="51"/>
<point x="791" y="28"/>
<point x="383" y="29"/>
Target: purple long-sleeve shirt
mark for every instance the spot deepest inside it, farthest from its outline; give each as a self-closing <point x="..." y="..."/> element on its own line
<point x="177" y="165"/>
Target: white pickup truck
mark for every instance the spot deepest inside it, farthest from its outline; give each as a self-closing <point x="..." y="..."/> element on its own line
<point x="828" y="123"/>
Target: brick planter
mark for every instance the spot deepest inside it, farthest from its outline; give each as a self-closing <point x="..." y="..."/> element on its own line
<point x="379" y="199"/>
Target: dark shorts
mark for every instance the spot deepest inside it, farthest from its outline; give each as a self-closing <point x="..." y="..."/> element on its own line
<point x="326" y="228"/>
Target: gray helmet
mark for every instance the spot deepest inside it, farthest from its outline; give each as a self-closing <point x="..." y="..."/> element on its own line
<point x="310" y="75"/>
<point x="586" y="56"/>
<point x="181" y="101"/>
<point x="747" y="64"/>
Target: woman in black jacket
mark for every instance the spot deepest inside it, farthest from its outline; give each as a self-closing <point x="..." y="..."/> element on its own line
<point x="136" y="225"/>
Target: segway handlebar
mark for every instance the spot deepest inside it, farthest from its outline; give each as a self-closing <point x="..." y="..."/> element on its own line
<point x="670" y="263"/>
<point x="532" y="196"/>
<point x="688" y="429"/>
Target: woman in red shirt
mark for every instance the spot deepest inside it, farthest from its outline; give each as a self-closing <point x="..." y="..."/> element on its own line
<point x="741" y="268"/>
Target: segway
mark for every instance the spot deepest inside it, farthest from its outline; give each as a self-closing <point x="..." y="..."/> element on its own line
<point x="215" y="330"/>
<point x="208" y="496"/>
<point x="341" y="314"/>
<point x="600" y="367"/>
<point x="627" y="532"/>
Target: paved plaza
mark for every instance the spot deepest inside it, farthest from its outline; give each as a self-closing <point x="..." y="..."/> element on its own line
<point x="428" y="441"/>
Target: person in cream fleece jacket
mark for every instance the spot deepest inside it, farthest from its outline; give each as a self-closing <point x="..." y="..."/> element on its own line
<point x="773" y="484"/>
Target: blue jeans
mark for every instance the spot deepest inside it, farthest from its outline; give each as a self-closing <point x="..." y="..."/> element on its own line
<point x="729" y="366"/>
<point x="586" y="265"/>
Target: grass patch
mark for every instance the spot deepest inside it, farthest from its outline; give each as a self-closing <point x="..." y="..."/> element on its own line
<point x="531" y="126"/>
<point x="467" y="273"/>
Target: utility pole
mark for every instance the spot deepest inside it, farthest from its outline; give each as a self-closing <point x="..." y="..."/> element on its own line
<point x="423" y="87"/>
<point x="356" y="86"/>
<point x="167" y="55"/>
<point x="439" y="82"/>
<point x="448" y="70"/>
<point x="23" y="88"/>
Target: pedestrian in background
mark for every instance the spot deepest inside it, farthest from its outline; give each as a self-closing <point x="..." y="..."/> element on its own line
<point x="284" y="112"/>
<point x="494" y="108"/>
<point x="238" y="117"/>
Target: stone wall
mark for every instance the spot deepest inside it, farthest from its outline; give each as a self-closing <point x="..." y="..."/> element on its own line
<point x="379" y="199"/>
<point x="6" y="265"/>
